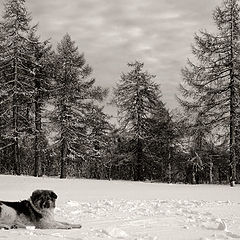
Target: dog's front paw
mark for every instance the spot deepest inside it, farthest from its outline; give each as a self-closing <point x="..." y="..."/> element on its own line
<point x="5" y="227"/>
<point x="76" y="226"/>
<point x="63" y="226"/>
<point x="14" y="226"/>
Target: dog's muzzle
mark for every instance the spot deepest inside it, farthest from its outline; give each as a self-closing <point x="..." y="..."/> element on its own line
<point x="47" y="204"/>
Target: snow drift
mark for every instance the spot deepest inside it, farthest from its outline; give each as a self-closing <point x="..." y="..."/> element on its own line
<point x="131" y="210"/>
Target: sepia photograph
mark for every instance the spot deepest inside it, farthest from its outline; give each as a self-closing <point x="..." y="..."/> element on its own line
<point x="120" y="119"/>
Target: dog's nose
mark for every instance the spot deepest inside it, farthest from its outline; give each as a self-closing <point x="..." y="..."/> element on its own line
<point x="46" y="204"/>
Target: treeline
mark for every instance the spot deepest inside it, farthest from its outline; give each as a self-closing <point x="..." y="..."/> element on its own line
<point x="52" y="119"/>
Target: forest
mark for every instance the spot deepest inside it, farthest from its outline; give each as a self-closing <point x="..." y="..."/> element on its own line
<point x="53" y="123"/>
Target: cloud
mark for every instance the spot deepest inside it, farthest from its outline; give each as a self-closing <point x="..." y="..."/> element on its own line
<point x="112" y="33"/>
<point x="169" y="15"/>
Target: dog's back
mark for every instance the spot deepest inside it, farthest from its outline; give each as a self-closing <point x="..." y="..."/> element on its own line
<point x="19" y="213"/>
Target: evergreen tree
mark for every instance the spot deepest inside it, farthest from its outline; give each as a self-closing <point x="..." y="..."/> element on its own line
<point x="16" y="82"/>
<point x="211" y="84"/>
<point x="161" y="137"/>
<point x="137" y="97"/>
<point x="75" y="96"/>
<point x="41" y="65"/>
<point x="98" y="142"/>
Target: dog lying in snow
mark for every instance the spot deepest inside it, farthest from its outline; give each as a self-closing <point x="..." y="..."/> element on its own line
<point x="38" y="212"/>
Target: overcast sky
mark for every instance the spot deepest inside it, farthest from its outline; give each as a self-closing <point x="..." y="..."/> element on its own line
<point x="112" y="33"/>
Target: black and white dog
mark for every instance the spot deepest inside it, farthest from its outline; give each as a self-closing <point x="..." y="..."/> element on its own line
<point x="38" y="211"/>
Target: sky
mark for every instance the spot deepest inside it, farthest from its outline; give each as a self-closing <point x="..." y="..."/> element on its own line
<point x="112" y="33"/>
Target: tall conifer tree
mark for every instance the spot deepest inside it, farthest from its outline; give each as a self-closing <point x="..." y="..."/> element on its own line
<point x="15" y="83"/>
<point x="212" y="82"/>
<point x="41" y="66"/>
<point x="75" y="98"/>
<point x="137" y="98"/>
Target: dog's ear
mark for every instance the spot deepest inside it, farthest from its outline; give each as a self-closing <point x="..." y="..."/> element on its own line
<point x="36" y="194"/>
<point x="53" y="195"/>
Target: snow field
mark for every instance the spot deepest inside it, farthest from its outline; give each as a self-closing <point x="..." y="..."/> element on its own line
<point x="130" y="210"/>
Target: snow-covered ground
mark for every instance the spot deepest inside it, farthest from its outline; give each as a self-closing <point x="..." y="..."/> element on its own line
<point x="114" y="210"/>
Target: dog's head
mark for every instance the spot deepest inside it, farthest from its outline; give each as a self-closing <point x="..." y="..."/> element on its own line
<point x="43" y="199"/>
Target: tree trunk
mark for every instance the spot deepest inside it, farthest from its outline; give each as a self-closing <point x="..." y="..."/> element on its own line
<point x="219" y="175"/>
<point x="232" y="159"/>
<point x="63" y="118"/>
<point x="38" y="128"/>
<point x="169" y="173"/>
<point x="15" y="123"/>
<point x="37" y="162"/>
<point x="211" y="172"/>
<point x="138" y="176"/>
<point x="16" y="141"/>
<point x="193" y="175"/>
<point x="63" y="173"/>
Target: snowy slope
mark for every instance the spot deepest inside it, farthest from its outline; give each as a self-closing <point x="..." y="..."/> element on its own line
<point x="131" y="210"/>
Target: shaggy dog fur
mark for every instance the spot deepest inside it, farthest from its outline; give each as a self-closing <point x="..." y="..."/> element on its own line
<point x="38" y="211"/>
